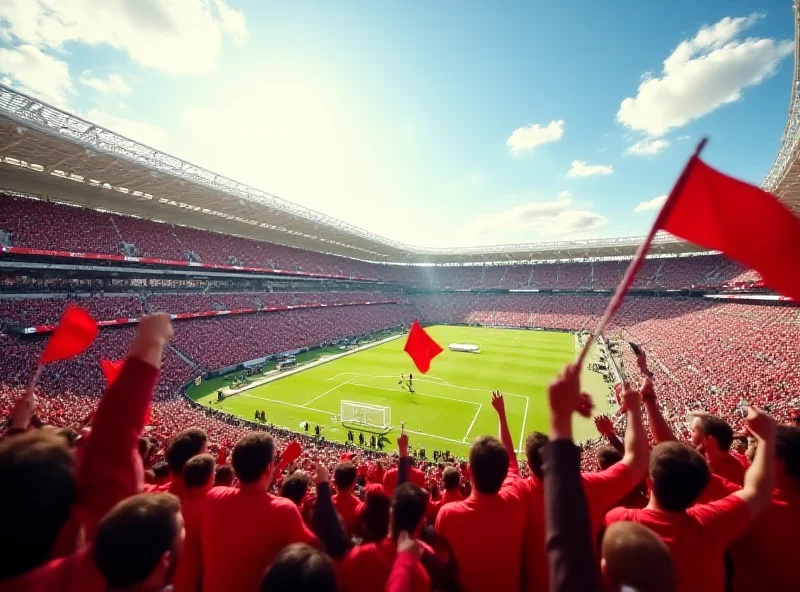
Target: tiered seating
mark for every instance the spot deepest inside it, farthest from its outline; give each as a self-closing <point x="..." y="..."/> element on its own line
<point x="27" y="312"/>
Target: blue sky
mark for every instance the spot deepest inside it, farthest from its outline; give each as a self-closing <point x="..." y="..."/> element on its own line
<point x="432" y="123"/>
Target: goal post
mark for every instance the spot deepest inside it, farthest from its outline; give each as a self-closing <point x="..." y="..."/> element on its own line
<point x="362" y="414"/>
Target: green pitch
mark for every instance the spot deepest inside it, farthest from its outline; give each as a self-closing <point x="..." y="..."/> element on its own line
<point x="452" y="402"/>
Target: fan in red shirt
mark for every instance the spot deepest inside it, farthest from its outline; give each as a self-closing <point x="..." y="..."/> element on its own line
<point x="187" y="444"/>
<point x="244" y="529"/>
<point x="367" y="568"/>
<point x="197" y="479"/>
<point x="347" y="505"/>
<point x="602" y="490"/>
<point x="486" y="531"/>
<point x="713" y="437"/>
<point x="415" y="476"/>
<point x="765" y="558"/>
<point x="698" y="535"/>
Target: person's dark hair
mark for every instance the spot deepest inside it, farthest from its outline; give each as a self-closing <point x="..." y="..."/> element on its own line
<point x="252" y="455"/>
<point x="295" y="487"/>
<point x="198" y="471"/>
<point x="488" y="461"/>
<point x="223" y="476"/>
<point x="133" y="537"/>
<point x="161" y="470"/>
<point x="718" y="428"/>
<point x="679" y="474"/>
<point x="184" y="446"/>
<point x="300" y="567"/>
<point x="533" y="443"/>
<point x="70" y="435"/>
<point x="409" y="503"/>
<point x="451" y="478"/>
<point x="374" y="520"/>
<point x="607" y="456"/>
<point x="344" y="476"/>
<point x="37" y="472"/>
<point x="787" y="449"/>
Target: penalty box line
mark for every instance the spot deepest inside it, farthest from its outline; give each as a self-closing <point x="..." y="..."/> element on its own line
<point x="430" y="380"/>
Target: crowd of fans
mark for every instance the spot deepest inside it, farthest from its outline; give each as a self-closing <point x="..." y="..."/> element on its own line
<point x="108" y="502"/>
<point x="38" y="224"/>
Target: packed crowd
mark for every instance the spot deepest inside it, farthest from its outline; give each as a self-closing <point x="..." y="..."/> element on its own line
<point x="109" y="503"/>
<point x="38" y="224"/>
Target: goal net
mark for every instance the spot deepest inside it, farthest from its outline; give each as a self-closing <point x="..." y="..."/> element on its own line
<point x="374" y="416"/>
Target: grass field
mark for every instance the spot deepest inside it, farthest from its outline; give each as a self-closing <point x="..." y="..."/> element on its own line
<point x="451" y="405"/>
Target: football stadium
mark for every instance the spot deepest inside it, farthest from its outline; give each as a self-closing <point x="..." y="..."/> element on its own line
<point x="306" y="392"/>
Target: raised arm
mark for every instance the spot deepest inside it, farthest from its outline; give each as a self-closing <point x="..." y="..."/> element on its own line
<point x="112" y="469"/>
<point x="325" y="521"/>
<point x="658" y="425"/>
<point x="404" y="464"/>
<point x="759" y="479"/>
<point x="636" y="448"/>
<point x="569" y="539"/>
<point x="499" y="404"/>
<point x="408" y="552"/>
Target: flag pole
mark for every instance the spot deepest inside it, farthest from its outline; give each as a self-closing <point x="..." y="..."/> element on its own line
<point x="639" y="258"/>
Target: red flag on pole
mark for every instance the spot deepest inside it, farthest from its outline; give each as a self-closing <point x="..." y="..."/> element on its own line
<point x="75" y="332"/>
<point x="111" y="370"/>
<point x="421" y="347"/>
<point x="718" y="212"/>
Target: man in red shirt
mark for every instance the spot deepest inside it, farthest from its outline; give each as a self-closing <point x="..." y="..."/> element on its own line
<point x="602" y="489"/>
<point x="415" y="476"/>
<point x="197" y="479"/>
<point x="244" y="529"/>
<point x="486" y="531"/>
<point x="347" y="505"/>
<point x="367" y="568"/>
<point x="713" y="437"/>
<point x="698" y="535"/>
<point x="38" y="468"/>
<point x="187" y="444"/>
<point x="765" y="557"/>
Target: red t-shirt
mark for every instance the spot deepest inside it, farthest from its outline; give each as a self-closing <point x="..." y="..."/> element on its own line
<point x="349" y="508"/>
<point x="189" y="572"/>
<point x="728" y="468"/>
<point x="486" y="534"/>
<point x="716" y="489"/>
<point x="603" y="490"/>
<point x="367" y="568"/>
<point x="75" y="573"/>
<point x="242" y="531"/>
<point x="697" y="538"/>
<point x="415" y="476"/>
<point x="764" y="558"/>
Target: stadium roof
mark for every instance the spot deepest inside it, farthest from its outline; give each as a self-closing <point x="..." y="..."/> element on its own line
<point x="47" y="152"/>
<point x="783" y="179"/>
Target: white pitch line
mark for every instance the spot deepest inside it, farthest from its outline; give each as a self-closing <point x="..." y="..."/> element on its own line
<point x="438" y="380"/>
<point x="288" y="404"/>
<point x="325" y="393"/>
<point x="432" y="436"/>
<point x="469" y="429"/>
<point x="383" y="388"/>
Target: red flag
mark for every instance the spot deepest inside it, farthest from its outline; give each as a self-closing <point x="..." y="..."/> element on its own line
<point x="747" y="224"/>
<point x="291" y="454"/>
<point x="421" y="347"/>
<point x="111" y="370"/>
<point x="75" y="332"/>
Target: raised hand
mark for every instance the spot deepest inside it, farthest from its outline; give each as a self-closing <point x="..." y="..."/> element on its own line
<point x="321" y="473"/>
<point x="761" y="425"/>
<point x="604" y="425"/>
<point x="564" y="393"/>
<point x="499" y="403"/>
<point x="402" y="442"/>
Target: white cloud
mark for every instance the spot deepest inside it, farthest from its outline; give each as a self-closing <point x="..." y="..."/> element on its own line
<point x="703" y="73"/>
<point x="647" y="147"/>
<point x="564" y="194"/>
<point x="141" y="131"/>
<point x="581" y="169"/>
<point x="560" y="217"/>
<point x="653" y="204"/>
<point x="112" y="83"/>
<point x="177" y="37"/>
<point x="34" y="72"/>
<point x="529" y="137"/>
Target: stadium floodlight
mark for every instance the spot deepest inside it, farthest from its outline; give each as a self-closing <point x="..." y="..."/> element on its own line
<point x="362" y="414"/>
